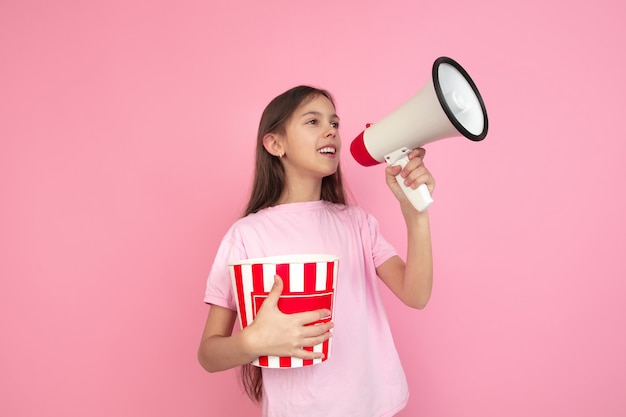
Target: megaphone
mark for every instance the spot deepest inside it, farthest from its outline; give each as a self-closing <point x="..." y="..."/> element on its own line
<point x="450" y="105"/>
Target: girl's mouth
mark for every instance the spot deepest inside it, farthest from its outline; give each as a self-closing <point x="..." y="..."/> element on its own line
<point x="328" y="150"/>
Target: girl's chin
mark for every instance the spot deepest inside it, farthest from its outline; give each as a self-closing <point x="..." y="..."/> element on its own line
<point x="333" y="172"/>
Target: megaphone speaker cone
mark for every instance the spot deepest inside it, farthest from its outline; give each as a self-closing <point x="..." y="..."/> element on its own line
<point x="460" y="99"/>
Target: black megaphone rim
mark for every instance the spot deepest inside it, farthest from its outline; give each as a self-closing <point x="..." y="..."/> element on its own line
<point x="446" y="108"/>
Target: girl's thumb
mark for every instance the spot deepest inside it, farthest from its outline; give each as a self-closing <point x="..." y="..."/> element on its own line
<point x="276" y="291"/>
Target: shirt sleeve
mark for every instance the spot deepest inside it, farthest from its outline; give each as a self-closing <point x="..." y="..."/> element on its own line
<point x="219" y="288"/>
<point x="382" y="250"/>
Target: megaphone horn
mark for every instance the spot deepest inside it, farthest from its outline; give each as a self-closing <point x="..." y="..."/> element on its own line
<point x="450" y="105"/>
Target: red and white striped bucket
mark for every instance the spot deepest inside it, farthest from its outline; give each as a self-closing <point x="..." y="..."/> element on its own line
<point x="309" y="284"/>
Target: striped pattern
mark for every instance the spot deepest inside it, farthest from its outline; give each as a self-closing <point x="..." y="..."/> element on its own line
<point x="307" y="286"/>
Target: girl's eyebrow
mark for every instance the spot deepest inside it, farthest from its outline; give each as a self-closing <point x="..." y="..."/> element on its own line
<point x="318" y="114"/>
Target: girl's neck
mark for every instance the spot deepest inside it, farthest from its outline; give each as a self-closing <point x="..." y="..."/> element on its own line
<point x="301" y="192"/>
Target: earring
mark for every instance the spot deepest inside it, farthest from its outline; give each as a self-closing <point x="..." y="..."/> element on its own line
<point x="280" y="155"/>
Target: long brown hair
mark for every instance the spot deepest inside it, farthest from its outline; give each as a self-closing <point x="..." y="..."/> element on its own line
<point x="269" y="181"/>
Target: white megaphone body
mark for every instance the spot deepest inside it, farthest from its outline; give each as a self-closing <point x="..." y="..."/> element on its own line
<point x="450" y="105"/>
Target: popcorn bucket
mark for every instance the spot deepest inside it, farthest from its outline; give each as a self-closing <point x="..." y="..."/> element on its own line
<point x="309" y="284"/>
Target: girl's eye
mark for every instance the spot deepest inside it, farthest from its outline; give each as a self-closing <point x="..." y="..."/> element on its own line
<point x="316" y="122"/>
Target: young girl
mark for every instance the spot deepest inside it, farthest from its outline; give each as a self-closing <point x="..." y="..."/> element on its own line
<point x="298" y="198"/>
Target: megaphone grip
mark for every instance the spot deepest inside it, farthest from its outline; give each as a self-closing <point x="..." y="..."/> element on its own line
<point x="420" y="197"/>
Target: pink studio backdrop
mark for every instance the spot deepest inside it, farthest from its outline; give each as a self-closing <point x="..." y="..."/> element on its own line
<point x="126" y="149"/>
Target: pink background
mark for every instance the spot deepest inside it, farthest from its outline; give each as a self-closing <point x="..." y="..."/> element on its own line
<point x="127" y="131"/>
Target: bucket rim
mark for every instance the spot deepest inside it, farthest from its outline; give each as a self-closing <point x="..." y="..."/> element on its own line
<point x="287" y="259"/>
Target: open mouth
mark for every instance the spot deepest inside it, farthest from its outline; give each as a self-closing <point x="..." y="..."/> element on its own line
<point x="328" y="150"/>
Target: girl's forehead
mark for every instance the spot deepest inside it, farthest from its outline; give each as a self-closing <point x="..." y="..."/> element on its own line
<point x="318" y="104"/>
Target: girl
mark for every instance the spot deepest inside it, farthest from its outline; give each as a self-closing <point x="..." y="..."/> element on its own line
<point x="298" y="197"/>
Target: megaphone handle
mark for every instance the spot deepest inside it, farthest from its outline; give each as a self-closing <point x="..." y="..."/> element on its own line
<point x="420" y="197"/>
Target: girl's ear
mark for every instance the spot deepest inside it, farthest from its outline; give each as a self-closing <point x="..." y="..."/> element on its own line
<point x="273" y="145"/>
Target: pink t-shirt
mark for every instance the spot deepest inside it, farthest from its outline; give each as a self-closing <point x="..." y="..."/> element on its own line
<point x="363" y="377"/>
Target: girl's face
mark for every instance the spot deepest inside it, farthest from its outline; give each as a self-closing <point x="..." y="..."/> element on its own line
<point x="311" y="142"/>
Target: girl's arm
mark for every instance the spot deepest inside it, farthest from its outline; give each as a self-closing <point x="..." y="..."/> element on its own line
<point x="412" y="281"/>
<point x="219" y="349"/>
<point x="271" y="333"/>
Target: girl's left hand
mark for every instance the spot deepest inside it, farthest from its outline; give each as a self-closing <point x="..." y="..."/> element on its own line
<point x="414" y="174"/>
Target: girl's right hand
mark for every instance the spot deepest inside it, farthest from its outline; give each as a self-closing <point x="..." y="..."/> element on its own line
<point x="274" y="333"/>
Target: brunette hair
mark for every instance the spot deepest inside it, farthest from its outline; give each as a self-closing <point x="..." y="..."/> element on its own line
<point x="269" y="181"/>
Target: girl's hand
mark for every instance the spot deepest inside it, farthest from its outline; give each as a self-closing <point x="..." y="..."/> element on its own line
<point x="273" y="333"/>
<point x="414" y="174"/>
